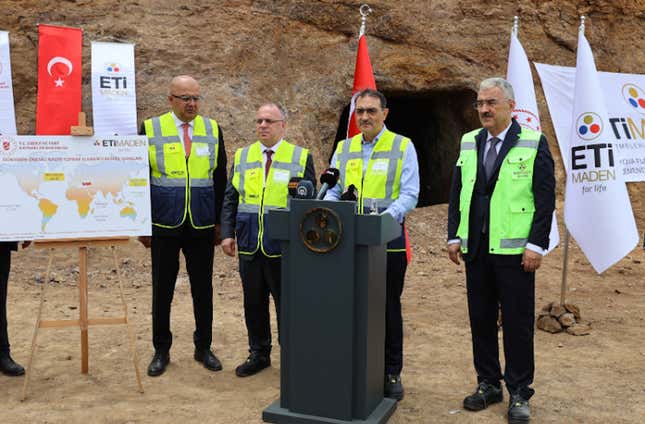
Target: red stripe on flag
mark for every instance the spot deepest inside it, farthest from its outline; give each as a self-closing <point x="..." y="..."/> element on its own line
<point x="363" y="78"/>
<point x="59" y="79"/>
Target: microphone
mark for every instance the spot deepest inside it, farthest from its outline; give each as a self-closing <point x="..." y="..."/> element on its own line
<point x="293" y="186"/>
<point x="351" y="194"/>
<point x="328" y="179"/>
<point x="305" y="190"/>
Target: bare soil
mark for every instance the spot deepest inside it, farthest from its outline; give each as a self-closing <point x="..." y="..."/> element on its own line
<point x="598" y="378"/>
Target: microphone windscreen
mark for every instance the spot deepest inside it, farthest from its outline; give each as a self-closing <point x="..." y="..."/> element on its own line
<point x="305" y="190"/>
<point x="293" y="185"/>
<point x="330" y="177"/>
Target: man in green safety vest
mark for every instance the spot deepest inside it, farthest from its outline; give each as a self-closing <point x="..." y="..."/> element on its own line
<point x="501" y="205"/>
<point x="382" y="167"/>
<point x="258" y="183"/>
<point x="187" y="183"/>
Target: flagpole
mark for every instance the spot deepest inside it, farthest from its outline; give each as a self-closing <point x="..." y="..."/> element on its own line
<point x="565" y="258"/>
<point x="516" y="25"/>
<point x="364" y="10"/>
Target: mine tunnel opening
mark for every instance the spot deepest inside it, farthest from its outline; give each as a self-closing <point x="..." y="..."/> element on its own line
<point x="435" y="121"/>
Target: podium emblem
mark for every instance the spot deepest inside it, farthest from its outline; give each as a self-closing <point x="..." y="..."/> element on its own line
<point x="321" y="230"/>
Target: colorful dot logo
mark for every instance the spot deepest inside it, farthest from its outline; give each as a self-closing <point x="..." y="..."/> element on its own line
<point x="589" y="125"/>
<point x="635" y="97"/>
<point x="113" y="67"/>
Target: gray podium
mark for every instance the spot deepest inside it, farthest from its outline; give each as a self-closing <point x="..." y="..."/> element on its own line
<point x="332" y="329"/>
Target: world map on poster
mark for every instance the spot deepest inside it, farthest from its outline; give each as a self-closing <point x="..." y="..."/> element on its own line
<point x="74" y="187"/>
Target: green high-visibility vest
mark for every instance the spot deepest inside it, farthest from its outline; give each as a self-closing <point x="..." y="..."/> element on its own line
<point x="181" y="187"/>
<point x="512" y="205"/>
<point x="256" y="198"/>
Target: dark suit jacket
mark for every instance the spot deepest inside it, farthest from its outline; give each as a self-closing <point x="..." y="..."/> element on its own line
<point x="543" y="193"/>
<point x="9" y="245"/>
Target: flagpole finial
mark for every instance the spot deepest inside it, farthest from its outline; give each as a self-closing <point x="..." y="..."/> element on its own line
<point x="582" y="24"/>
<point x="364" y="10"/>
<point x="516" y="24"/>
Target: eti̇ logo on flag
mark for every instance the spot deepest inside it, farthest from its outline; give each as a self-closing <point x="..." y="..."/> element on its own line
<point x="635" y="97"/>
<point x="113" y="68"/>
<point x="589" y="125"/>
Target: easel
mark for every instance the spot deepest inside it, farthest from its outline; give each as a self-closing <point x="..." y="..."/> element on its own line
<point x="83" y="322"/>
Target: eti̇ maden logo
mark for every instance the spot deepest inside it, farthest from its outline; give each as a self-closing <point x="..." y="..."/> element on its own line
<point x="589" y="125"/>
<point x="635" y="97"/>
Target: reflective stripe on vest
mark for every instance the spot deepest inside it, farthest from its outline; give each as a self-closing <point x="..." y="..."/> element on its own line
<point x="257" y="197"/>
<point x="512" y="205"/>
<point x="182" y="186"/>
<point x="374" y="193"/>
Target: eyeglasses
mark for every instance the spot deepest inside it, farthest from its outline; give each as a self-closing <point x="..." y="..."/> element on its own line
<point x="259" y="121"/>
<point x="490" y="103"/>
<point x="371" y="111"/>
<point x="186" y="99"/>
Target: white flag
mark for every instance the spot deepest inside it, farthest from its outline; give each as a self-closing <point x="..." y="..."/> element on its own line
<point x="526" y="111"/>
<point x="7" y="111"/>
<point x="597" y="209"/>
<point x="114" y="100"/>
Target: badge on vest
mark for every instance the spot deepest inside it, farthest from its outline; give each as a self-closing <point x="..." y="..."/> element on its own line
<point x="379" y="166"/>
<point x="201" y="150"/>
<point x="281" y="176"/>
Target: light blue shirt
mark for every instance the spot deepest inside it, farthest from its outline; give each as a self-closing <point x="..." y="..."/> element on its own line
<point x="409" y="191"/>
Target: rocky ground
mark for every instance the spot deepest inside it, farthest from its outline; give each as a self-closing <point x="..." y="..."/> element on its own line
<point x="597" y="378"/>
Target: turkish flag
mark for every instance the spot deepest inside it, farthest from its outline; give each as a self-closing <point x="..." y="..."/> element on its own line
<point x="363" y="78"/>
<point x="59" y="79"/>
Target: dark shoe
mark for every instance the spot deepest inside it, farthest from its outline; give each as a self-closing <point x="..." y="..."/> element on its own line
<point x="393" y="387"/>
<point x="253" y="365"/>
<point x="485" y="395"/>
<point x="206" y="357"/>
<point x="518" y="410"/>
<point x="158" y="364"/>
<point x="9" y="367"/>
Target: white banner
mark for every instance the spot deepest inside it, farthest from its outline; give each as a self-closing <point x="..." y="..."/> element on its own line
<point x="597" y="210"/>
<point x="526" y="111"/>
<point x="57" y="187"/>
<point x="625" y="102"/>
<point x="7" y="111"/>
<point x="114" y="100"/>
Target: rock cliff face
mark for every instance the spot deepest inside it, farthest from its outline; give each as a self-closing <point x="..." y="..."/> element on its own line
<point x="428" y="57"/>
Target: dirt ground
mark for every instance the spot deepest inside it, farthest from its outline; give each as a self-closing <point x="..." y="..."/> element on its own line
<point x="598" y="378"/>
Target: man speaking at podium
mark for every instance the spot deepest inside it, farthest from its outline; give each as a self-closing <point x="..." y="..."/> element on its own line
<point x="259" y="182"/>
<point x="383" y="170"/>
<point x="187" y="179"/>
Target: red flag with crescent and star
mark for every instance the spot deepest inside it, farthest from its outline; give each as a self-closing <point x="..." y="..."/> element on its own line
<point x="59" y="79"/>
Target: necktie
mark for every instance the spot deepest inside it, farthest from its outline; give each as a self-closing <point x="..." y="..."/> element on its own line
<point x="491" y="156"/>
<point x="187" y="141"/>
<point x="267" y="165"/>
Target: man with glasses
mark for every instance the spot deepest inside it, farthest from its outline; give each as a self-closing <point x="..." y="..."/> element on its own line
<point x="187" y="183"/>
<point x="382" y="167"/>
<point x="258" y="183"/>
<point x="501" y="203"/>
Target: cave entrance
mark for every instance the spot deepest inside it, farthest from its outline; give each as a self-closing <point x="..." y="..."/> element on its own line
<point x="435" y="121"/>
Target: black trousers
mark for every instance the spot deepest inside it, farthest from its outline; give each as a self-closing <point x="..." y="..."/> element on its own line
<point x="198" y="252"/>
<point x="396" y="266"/>
<point x="260" y="277"/>
<point x="491" y="283"/>
<point x="5" y="266"/>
